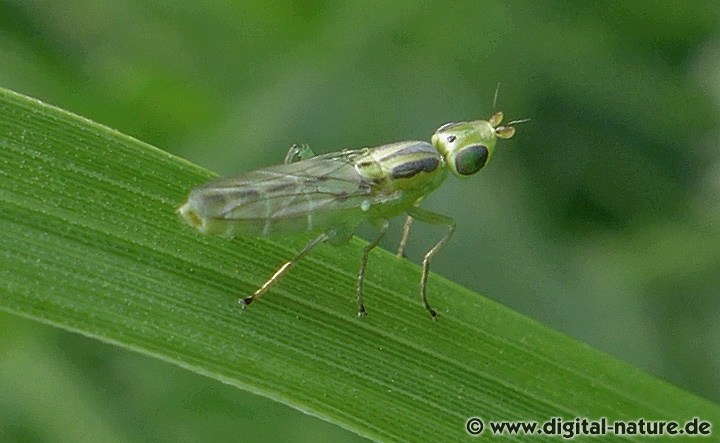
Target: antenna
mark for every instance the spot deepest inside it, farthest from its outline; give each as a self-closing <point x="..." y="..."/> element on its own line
<point x="522" y="120"/>
<point x="497" y="91"/>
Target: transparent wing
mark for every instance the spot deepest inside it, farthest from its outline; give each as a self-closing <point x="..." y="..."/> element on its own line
<point x="310" y="186"/>
<point x="313" y="194"/>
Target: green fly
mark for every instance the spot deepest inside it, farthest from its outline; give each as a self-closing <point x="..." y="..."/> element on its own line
<point x="331" y="194"/>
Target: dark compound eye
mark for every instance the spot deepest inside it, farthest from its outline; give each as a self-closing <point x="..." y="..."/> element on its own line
<point x="471" y="159"/>
<point x="451" y="138"/>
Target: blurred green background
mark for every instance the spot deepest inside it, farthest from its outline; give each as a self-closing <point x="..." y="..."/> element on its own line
<point x="601" y="218"/>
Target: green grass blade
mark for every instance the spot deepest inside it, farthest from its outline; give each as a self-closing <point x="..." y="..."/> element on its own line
<point x="90" y="242"/>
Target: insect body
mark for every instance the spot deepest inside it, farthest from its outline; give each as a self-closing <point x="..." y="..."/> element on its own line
<point x="331" y="194"/>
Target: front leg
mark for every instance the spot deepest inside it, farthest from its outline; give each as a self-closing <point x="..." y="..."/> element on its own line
<point x="435" y="219"/>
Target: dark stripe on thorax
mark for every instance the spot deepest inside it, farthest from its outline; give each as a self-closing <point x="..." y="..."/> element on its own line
<point x="412" y="149"/>
<point x="414" y="167"/>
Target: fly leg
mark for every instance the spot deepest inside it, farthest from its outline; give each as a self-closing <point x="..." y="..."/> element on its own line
<point x="363" y="265"/>
<point x="244" y="302"/>
<point x="403" y="239"/>
<point x="435" y="219"/>
<point x="297" y="153"/>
